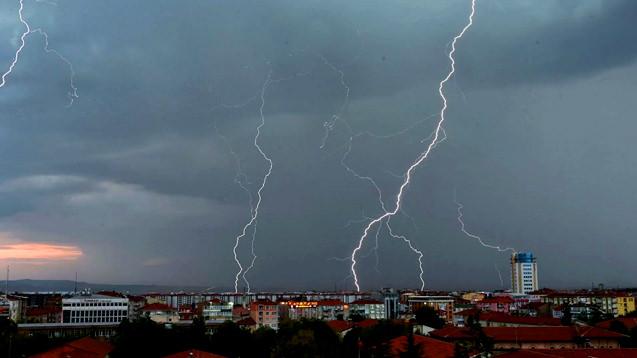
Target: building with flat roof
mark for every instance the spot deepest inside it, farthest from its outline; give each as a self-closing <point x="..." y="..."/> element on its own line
<point x="91" y="308"/>
<point x="216" y="310"/>
<point x="368" y="308"/>
<point x="265" y="313"/>
<point x="523" y="272"/>
<point x="442" y="304"/>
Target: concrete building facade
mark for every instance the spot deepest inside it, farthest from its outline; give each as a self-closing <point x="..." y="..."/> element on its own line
<point x="524" y="272"/>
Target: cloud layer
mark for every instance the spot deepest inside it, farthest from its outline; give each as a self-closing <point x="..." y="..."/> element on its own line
<point x="138" y="176"/>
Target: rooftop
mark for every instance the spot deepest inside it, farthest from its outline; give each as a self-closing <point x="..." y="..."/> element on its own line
<point x="366" y="301"/>
<point x="491" y="316"/>
<point x="628" y="322"/>
<point x="573" y="353"/>
<point x="194" y="353"/>
<point x="157" y="307"/>
<point x="86" y="347"/>
<point x="430" y="347"/>
<point x="527" y="334"/>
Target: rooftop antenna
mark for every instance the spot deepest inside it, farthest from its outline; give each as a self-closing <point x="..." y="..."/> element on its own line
<point x="6" y="285"/>
<point x="75" y="289"/>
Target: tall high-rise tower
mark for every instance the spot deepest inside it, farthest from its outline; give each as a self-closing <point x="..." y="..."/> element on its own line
<point x="523" y="272"/>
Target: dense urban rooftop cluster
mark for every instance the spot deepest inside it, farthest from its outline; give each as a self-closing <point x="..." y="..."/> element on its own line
<point x="546" y="323"/>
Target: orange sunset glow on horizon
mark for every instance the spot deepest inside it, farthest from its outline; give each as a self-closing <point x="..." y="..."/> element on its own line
<point x="39" y="251"/>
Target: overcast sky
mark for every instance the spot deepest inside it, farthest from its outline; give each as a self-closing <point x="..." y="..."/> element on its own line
<point x="135" y="182"/>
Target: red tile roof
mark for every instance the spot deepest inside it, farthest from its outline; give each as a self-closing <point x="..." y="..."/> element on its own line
<point x="501" y="317"/>
<point x="247" y="322"/>
<point x="365" y="301"/>
<point x="194" y="353"/>
<point x="339" y="325"/>
<point x="497" y="300"/>
<point x="366" y="323"/>
<point x="629" y="322"/>
<point x="429" y="347"/>
<point x="86" y="347"/>
<point x="157" y="307"/>
<point x="572" y="353"/>
<point x="589" y="294"/>
<point x="240" y="311"/>
<point x="331" y="303"/>
<point x="526" y="334"/>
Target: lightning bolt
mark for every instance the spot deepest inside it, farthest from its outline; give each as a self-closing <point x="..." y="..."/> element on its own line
<point x="421" y="158"/>
<point x="476" y="237"/>
<point x="499" y="274"/>
<point x="254" y="257"/>
<point x="241" y="180"/>
<point x="255" y="210"/>
<point x="329" y="125"/>
<point x="411" y="246"/>
<point x="72" y="94"/>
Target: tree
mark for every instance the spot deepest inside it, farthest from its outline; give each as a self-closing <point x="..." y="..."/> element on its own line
<point x="355" y="317"/>
<point x="428" y="316"/>
<point x="8" y="331"/>
<point x="481" y="342"/>
<point x="197" y="333"/>
<point x="142" y="337"/>
<point x="461" y="350"/>
<point x="413" y="350"/>
<point x="632" y="341"/>
<point x="617" y="326"/>
<point x="374" y="340"/>
<point x="567" y="317"/>
<point x="231" y="340"/>
<point x="264" y="342"/>
<point x="306" y="338"/>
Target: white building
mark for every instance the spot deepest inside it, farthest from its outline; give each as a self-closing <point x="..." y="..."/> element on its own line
<point x="160" y="313"/>
<point x="368" y="308"/>
<point x="217" y="310"/>
<point x="523" y="272"/>
<point x="90" y="308"/>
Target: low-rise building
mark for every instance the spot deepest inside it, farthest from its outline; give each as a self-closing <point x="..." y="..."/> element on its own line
<point x="499" y="319"/>
<point x="43" y="315"/>
<point x="507" y="338"/>
<point x="265" y="313"/>
<point x="324" y="309"/>
<point x="501" y="304"/>
<point x="367" y="308"/>
<point x="474" y="296"/>
<point x="216" y="310"/>
<point x="391" y="298"/>
<point x="616" y="303"/>
<point x="91" y="308"/>
<point x="186" y="312"/>
<point x="135" y="305"/>
<point x="625" y="304"/>
<point x="444" y="305"/>
<point x="160" y="313"/>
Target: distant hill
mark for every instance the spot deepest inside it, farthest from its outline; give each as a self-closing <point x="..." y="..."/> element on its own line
<point x="69" y="285"/>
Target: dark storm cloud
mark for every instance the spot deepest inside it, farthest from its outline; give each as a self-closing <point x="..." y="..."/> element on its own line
<point x="139" y="172"/>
